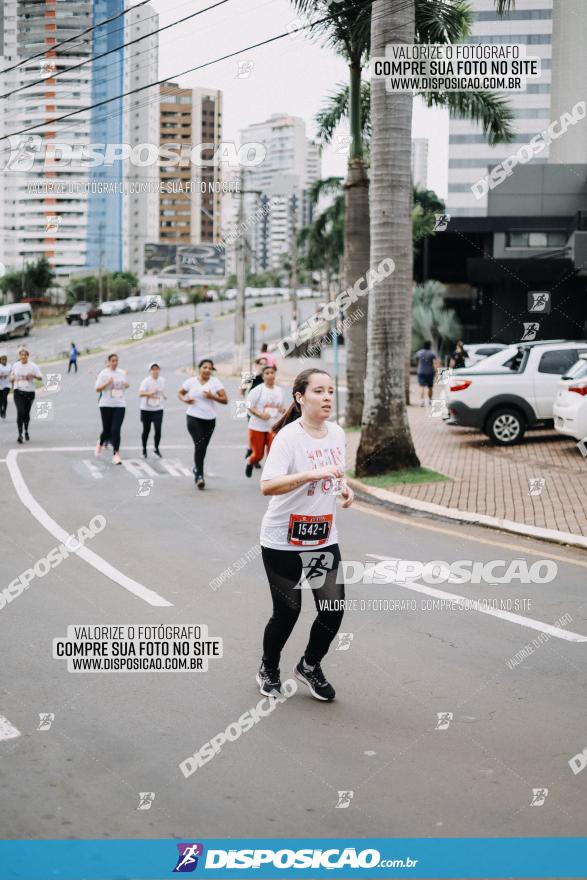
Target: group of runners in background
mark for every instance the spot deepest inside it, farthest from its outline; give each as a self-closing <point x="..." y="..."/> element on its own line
<point x="303" y="474"/>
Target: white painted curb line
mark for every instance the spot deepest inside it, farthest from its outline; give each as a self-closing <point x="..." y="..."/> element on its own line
<point x="481" y="519"/>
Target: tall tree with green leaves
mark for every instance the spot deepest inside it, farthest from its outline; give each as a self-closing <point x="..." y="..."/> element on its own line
<point x="386" y="442"/>
<point x="347" y="29"/>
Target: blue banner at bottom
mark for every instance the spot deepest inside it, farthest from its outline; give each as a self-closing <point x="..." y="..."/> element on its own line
<point x="553" y="857"/>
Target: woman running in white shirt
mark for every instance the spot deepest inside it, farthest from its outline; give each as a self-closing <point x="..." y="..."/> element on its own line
<point x="303" y="474"/>
<point x="5" y="371"/>
<point x="111" y="385"/>
<point x="152" y="394"/>
<point x="265" y="405"/>
<point x="23" y="375"/>
<point x="202" y="393"/>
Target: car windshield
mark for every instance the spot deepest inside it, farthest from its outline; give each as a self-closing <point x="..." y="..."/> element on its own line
<point x="516" y="362"/>
<point x="577" y="371"/>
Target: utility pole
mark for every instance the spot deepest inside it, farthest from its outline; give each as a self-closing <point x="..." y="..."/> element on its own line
<point x="23" y="294"/>
<point x="101" y="232"/>
<point x="294" y="263"/>
<point x="241" y="280"/>
<point x="241" y="277"/>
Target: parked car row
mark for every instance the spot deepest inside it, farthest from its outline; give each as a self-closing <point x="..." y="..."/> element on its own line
<point x="83" y="312"/>
<point x="532" y="384"/>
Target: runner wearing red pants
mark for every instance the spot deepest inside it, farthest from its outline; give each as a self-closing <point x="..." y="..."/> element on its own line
<point x="265" y="404"/>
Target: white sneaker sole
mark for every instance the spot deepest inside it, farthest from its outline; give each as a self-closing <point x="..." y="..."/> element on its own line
<point x="316" y="696"/>
<point x="265" y="694"/>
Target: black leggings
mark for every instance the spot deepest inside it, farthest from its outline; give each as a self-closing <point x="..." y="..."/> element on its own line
<point x="200" y="431"/>
<point x="154" y="418"/>
<point x="3" y="401"/>
<point x="23" y="401"/>
<point x="112" y="419"/>
<point x="72" y="363"/>
<point x="284" y="569"/>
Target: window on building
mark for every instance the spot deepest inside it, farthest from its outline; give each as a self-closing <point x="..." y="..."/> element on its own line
<point x="536" y="239"/>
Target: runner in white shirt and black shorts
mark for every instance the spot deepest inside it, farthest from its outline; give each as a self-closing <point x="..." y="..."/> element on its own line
<point x="23" y="376"/>
<point x="111" y="385"/>
<point x="152" y="394"/>
<point x="303" y="474"/>
<point x="5" y="371"/>
<point x="202" y="393"/>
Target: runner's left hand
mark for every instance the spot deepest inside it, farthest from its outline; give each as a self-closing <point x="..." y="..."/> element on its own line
<point x="348" y="495"/>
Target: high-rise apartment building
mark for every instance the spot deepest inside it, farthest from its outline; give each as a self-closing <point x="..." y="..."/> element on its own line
<point x="470" y="156"/>
<point x="140" y="204"/>
<point x="53" y="203"/>
<point x="290" y="167"/>
<point x="420" y="162"/>
<point x="190" y="204"/>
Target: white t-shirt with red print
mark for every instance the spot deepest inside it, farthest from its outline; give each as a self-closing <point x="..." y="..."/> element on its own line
<point x="293" y="451"/>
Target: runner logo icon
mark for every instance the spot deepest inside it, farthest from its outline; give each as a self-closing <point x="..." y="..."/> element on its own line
<point x="315" y="567"/>
<point x="187" y="859"/>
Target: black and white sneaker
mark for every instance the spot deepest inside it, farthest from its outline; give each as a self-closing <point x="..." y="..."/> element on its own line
<point x="157" y="453"/>
<point x="249" y="470"/>
<point x="315" y="680"/>
<point x="269" y="681"/>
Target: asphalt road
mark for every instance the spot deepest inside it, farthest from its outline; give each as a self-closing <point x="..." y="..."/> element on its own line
<point x="115" y="735"/>
<point x="52" y="342"/>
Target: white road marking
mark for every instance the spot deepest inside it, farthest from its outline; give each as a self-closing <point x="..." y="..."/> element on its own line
<point x="93" y="469"/>
<point x="42" y="517"/>
<point x="7" y="730"/>
<point x="528" y="622"/>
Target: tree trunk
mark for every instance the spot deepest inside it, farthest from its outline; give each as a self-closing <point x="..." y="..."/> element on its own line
<point x="356" y="255"/>
<point x="386" y="443"/>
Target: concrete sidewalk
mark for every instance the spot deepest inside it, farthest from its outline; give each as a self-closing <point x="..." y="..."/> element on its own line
<point x="495" y="481"/>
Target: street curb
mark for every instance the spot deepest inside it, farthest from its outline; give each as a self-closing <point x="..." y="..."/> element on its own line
<point x="480" y="519"/>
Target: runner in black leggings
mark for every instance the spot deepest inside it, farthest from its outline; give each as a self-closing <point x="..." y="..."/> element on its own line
<point x="23" y="376"/>
<point x="202" y="393"/>
<point x="303" y="475"/>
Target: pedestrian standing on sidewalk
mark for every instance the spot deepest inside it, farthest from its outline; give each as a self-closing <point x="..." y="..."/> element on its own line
<point x="152" y="394"/>
<point x="202" y="393"/>
<point x="111" y="385"/>
<point x="459" y="356"/>
<point x="23" y="375"/>
<point x="73" y="353"/>
<point x="265" y="405"/>
<point x="303" y="475"/>
<point x="5" y="371"/>
<point x="428" y="363"/>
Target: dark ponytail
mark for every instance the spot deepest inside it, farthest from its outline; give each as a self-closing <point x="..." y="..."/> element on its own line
<point x="301" y="382"/>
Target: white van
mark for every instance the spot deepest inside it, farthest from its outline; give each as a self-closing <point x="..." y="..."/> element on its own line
<point x="15" y="320"/>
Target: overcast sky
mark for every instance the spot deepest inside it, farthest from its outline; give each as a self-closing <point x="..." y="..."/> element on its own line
<point x="292" y="75"/>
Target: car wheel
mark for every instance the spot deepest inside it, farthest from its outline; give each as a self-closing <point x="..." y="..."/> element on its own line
<point x="27" y="331"/>
<point x="506" y="426"/>
<point x="87" y="322"/>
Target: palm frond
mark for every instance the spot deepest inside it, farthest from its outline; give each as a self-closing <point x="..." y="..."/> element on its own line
<point x="336" y="110"/>
<point x="488" y="108"/>
<point x="443" y="21"/>
<point x="346" y="28"/>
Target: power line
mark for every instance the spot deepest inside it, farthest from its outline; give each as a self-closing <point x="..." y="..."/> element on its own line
<point x="69" y="69"/>
<point x="76" y="37"/>
<point x="149" y="101"/>
<point x="266" y="42"/>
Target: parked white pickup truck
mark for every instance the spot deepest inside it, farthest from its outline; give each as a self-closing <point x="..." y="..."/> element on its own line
<point x="517" y="394"/>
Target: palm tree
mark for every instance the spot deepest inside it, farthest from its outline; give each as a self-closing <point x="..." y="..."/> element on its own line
<point x="386" y="442"/>
<point x="348" y="31"/>
<point x="436" y="21"/>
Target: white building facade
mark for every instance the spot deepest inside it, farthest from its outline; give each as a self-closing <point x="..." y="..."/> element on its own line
<point x="291" y="165"/>
<point x="470" y="156"/>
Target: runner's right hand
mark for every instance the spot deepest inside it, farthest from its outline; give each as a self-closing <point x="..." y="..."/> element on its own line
<point x="330" y="472"/>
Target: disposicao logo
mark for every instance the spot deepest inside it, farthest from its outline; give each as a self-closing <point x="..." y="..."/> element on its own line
<point x="187" y="859"/>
